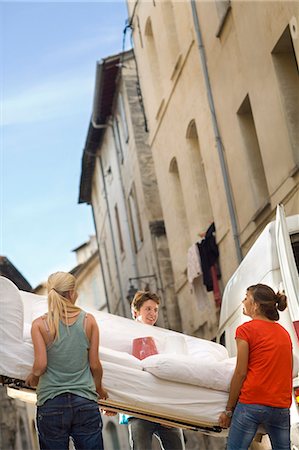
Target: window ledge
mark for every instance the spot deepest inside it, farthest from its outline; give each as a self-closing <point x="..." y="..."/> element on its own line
<point x="139" y="247"/>
<point x="160" y="109"/>
<point x="260" y="211"/>
<point x="176" y="67"/>
<point x="294" y="171"/>
<point x="181" y="281"/>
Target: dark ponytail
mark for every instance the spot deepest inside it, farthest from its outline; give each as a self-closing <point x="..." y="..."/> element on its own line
<point x="269" y="302"/>
<point x="281" y="301"/>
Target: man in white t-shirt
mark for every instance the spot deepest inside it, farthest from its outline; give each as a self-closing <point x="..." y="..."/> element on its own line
<point x="145" y="309"/>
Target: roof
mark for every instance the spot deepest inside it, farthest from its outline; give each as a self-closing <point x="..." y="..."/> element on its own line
<point x="8" y="270"/>
<point x="80" y="246"/>
<point x="80" y="267"/>
<point x="107" y="71"/>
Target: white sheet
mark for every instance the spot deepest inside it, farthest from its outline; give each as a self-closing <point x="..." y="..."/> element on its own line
<point x="16" y="356"/>
<point x="197" y="371"/>
<point x="148" y="391"/>
<point x="178" y="368"/>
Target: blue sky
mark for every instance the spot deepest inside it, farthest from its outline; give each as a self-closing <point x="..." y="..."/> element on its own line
<point x="48" y="52"/>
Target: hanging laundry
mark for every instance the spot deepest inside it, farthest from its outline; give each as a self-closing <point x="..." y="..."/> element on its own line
<point x="209" y="254"/>
<point x="193" y="263"/>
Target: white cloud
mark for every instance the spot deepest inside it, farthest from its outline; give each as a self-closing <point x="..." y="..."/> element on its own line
<point x="35" y="207"/>
<point x="51" y="99"/>
<point x="98" y="42"/>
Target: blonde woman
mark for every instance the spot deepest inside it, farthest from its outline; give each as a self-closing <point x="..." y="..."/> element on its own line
<point x="67" y="371"/>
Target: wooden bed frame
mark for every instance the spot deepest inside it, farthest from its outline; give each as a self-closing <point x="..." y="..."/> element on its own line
<point x="169" y="420"/>
<point x="154" y="416"/>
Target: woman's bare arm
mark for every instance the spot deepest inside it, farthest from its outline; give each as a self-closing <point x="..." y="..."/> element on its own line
<point x="40" y="354"/>
<point x="94" y="361"/>
<point x="237" y="380"/>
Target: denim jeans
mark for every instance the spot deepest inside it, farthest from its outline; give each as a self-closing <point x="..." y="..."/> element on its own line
<point x="141" y="433"/>
<point x="69" y="415"/>
<point x="247" y="418"/>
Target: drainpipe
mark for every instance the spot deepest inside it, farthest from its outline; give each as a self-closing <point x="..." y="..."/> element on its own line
<point x="112" y="236"/>
<point x="101" y="263"/>
<point x="228" y="191"/>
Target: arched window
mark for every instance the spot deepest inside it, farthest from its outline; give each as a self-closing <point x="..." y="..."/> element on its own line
<point x="199" y="181"/>
<point x="112" y="437"/>
<point x="148" y="31"/>
<point x="286" y="69"/>
<point x="191" y="132"/>
<point x="135" y="219"/>
<point x="255" y="165"/>
<point x="153" y="61"/>
<point x="23" y="434"/>
<point x="33" y="433"/>
<point x="171" y="30"/>
<point x="180" y="226"/>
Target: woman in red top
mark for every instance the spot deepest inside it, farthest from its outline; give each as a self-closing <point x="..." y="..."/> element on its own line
<point x="261" y="387"/>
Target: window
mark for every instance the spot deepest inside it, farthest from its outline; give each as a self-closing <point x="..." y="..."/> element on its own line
<point x="117" y="140"/>
<point x="286" y="68"/>
<point x="97" y="303"/>
<point x="111" y="430"/>
<point x="170" y="29"/>
<point x="295" y="246"/>
<point x="23" y="434"/>
<point x="107" y="262"/>
<point x="153" y="60"/>
<point x="255" y="165"/>
<point x="139" y="31"/>
<point x="180" y="226"/>
<point x="135" y="219"/>
<point x="33" y="434"/>
<point x="122" y="112"/>
<point x="120" y="239"/>
<point x="198" y="176"/>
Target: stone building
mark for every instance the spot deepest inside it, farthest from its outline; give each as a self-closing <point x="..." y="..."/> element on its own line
<point x="220" y="87"/>
<point x="118" y="180"/>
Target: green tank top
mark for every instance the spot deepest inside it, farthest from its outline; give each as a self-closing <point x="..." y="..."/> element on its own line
<point x="68" y="367"/>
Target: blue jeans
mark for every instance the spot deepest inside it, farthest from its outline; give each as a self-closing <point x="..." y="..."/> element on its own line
<point x="69" y="415"/>
<point x="141" y="433"/>
<point x="247" y="418"/>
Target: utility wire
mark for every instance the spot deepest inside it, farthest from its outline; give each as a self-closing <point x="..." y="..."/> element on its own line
<point x="129" y="26"/>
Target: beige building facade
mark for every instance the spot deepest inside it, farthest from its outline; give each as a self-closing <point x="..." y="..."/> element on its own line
<point x="220" y="86"/>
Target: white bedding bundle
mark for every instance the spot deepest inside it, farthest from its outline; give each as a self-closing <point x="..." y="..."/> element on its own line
<point x="189" y="377"/>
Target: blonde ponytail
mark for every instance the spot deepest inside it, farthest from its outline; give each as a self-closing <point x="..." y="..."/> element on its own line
<point x="59" y="305"/>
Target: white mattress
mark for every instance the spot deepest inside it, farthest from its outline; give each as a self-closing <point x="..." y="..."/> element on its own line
<point x="143" y="389"/>
<point x="189" y="377"/>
